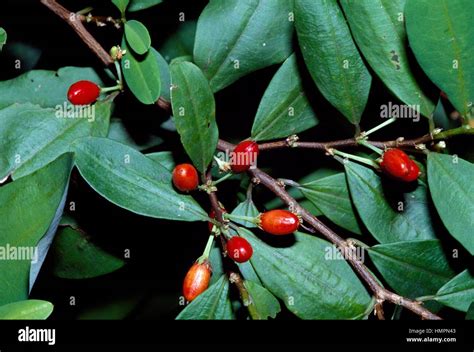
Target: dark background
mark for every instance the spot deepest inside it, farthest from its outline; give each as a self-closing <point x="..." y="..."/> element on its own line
<point x="161" y="251"/>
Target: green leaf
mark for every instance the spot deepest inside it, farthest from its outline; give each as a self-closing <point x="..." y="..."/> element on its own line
<point x="121" y="5"/>
<point x="442" y="37"/>
<point x="265" y="304"/>
<point x="216" y="262"/>
<point x="246" y="208"/>
<point x="142" y="74"/>
<point x="452" y="190"/>
<point x="413" y="269"/>
<point x="212" y="304"/>
<point x="138" y="5"/>
<point x="378" y="28"/>
<point x="284" y="109"/>
<point x="27" y="206"/>
<point x="331" y="195"/>
<point x="252" y="34"/>
<point x="458" y="293"/>
<point x="45" y="88"/>
<point x="332" y="57"/>
<point x="470" y="312"/>
<point x="132" y="181"/>
<point x="165" y="75"/>
<point x="180" y="42"/>
<point x="31" y="309"/>
<point x="138" y="38"/>
<point x="3" y="38"/>
<point x="194" y="112"/>
<point x="164" y="158"/>
<point x="389" y="214"/>
<point x="248" y="272"/>
<point x="32" y="137"/>
<point x="118" y="132"/>
<point x="76" y="257"/>
<point x="311" y="286"/>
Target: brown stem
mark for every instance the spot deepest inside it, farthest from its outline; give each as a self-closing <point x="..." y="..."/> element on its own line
<point x="100" y="21"/>
<point x="237" y="280"/>
<point x="380" y="292"/>
<point x="74" y="21"/>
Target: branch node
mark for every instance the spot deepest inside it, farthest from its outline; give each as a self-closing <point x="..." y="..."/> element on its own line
<point x="292" y="140"/>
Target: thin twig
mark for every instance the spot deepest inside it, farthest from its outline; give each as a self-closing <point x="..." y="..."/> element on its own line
<point x="72" y="19"/>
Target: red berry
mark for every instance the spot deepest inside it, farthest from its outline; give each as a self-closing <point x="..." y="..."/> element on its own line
<point x="279" y="222"/>
<point x="212" y="215"/>
<point x="196" y="280"/>
<point x="185" y="177"/>
<point x="239" y="249"/>
<point x="83" y="93"/>
<point x="398" y="165"/>
<point x="244" y="155"/>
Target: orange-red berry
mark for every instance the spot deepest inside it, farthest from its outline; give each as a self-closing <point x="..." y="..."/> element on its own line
<point x="83" y="93"/>
<point x="398" y="165"/>
<point x="279" y="222"/>
<point x="244" y="155"/>
<point x="185" y="177"/>
<point x="196" y="280"/>
<point x="239" y="249"/>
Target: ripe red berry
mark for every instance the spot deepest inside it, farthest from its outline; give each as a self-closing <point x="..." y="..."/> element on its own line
<point x="83" y="93"/>
<point x="185" y="177"/>
<point x="239" y="249"/>
<point x="279" y="222"/>
<point x="398" y="165"/>
<point x="244" y="155"/>
<point x="196" y="280"/>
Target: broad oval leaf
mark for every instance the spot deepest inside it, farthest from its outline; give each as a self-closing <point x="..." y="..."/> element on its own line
<point x="246" y="208"/>
<point x="263" y="304"/>
<point x="332" y="57"/>
<point x="194" y="112"/>
<point x="142" y="74"/>
<point x="47" y="89"/>
<point x="284" y="109"/>
<point x="164" y="158"/>
<point x="212" y="304"/>
<point x="31" y="137"/>
<point x="253" y="34"/>
<point x="121" y="4"/>
<point x="452" y="190"/>
<point x="138" y="5"/>
<point x="3" y="38"/>
<point x="310" y="285"/>
<point x="138" y="38"/>
<point x="413" y="269"/>
<point x="378" y="27"/>
<point x="165" y="75"/>
<point x="132" y="181"/>
<point x="180" y="42"/>
<point x="331" y="196"/>
<point x="76" y="257"/>
<point x="27" y="206"/>
<point x="442" y="38"/>
<point x="458" y="293"/>
<point x="31" y="309"/>
<point x="389" y="215"/>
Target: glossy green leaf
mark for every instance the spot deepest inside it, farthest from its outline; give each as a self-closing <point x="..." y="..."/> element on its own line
<point x="75" y="256"/>
<point x="164" y="158"/>
<point x="331" y="195"/>
<point x="216" y="262"/>
<point x="121" y="4"/>
<point x="212" y="304"/>
<point x="389" y="214"/>
<point x="180" y="42"/>
<point x="442" y="37"/>
<point x="31" y="309"/>
<point x="194" y="112"/>
<point x="248" y="272"/>
<point x="27" y="206"/>
<point x="452" y="190"/>
<point x="252" y="34"/>
<point x="458" y="293"/>
<point x="246" y="208"/>
<point x="45" y="88"/>
<point x="412" y="269"/>
<point x="132" y="181"/>
<point x="310" y="285"/>
<point x="332" y="57"/>
<point x="165" y="75"/>
<point x="142" y="74"/>
<point x="138" y="38"/>
<point x="284" y="109"/>
<point x="3" y="38"/>
<point x="263" y="303"/>
<point x="138" y="5"/>
<point x="32" y="137"/>
<point x="378" y="28"/>
<point x="118" y="132"/>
